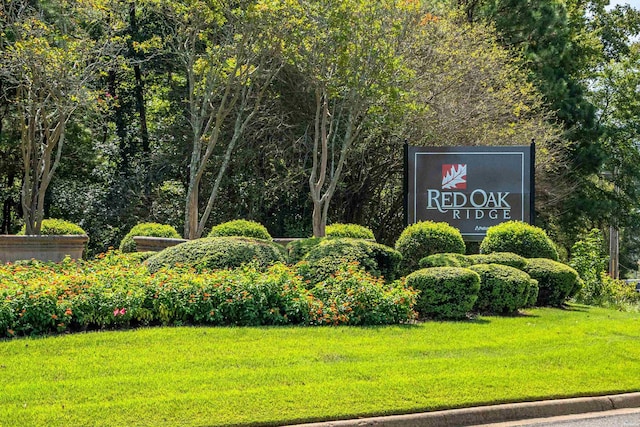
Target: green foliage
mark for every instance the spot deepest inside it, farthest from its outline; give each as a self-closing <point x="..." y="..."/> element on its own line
<point x="116" y="291"/>
<point x="445" y="292"/>
<point x="589" y="259"/>
<point x="446" y="260"/>
<point x="503" y="289"/>
<point x="427" y="238"/>
<point x="354" y="231"/>
<point x="298" y="249"/>
<point x="57" y="227"/>
<point x="240" y="227"/>
<point x="556" y="281"/>
<point x="532" y="295"/>
<point x="150" y="229"/>
<point x="214" y="253"/>
<point x="354" y="297"/>
<point x="520" y="238"/>
<point x="325" y="258"/>
<point x="504" y="258"/>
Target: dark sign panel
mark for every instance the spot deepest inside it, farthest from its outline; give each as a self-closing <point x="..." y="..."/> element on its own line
<point x="471" y="188"/>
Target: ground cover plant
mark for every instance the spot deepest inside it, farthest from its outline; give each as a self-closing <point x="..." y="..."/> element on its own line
<point x="117" y="291"/>
<point x="275" y="375"/>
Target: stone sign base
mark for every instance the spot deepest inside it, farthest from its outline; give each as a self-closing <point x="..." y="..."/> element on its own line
<point x="42" y="248"/>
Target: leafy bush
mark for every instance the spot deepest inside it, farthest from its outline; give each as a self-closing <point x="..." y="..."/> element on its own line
<point x="114" y="291"/>
<point x="532" y="295"/>
<point x="354" y="297"/>
<point x="503" y="289"/>
<point x="503" y="258"/>
<point x="214" y="253"/>
<point x="354" y="231"/>
<point x="297" y="249"/>
<point x="427" y="238"/>
<point x="242" y="228"/>
<point x="445" y="260"/>
<point x="57" y="227"/>
<point x="445" y="292"/>
<point x="325" y="258"/>
<point x="520" y="238"/>
<point x="150" y="229"/>
<point x="589" y="259"/>
<point x="556" y="281"/>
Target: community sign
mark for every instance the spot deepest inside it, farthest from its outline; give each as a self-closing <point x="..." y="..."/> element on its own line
<point x="471" y="188"/>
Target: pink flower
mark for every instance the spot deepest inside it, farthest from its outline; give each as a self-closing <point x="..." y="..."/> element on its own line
<point x="116" y="312"/>
<point x="119" y="312"/>
<point x="123" y="311"/>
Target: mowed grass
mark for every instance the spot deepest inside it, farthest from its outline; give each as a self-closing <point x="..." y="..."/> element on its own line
<point x="272" y="376"/>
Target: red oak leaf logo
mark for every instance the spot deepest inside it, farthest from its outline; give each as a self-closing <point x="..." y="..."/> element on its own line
<point x="454" y="177"/>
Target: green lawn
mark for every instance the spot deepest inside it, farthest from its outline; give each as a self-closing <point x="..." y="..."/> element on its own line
<point x="228" y="376"/>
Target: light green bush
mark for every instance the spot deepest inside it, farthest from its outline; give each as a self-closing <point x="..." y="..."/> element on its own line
<point x="503" y="289"/>
<point x="503" y="258"/>
<point x="241" y="228"/>
<point x="556" y="281"/>
<point x="57" y="227"/>
<point x="445" y="260"/>
<point x="354" y="231"/>
<point x="427" y="238"/>
<point x="148" y="229"/>
<point x="520" y="238"/>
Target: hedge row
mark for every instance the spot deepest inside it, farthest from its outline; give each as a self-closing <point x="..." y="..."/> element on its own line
<point x="117" y="291"/>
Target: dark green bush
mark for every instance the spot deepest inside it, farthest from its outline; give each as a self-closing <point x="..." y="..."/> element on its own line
<point x="556" y="281"/>
<point x="532" y="297"/>
<point x="354" y="231"/>
<point x="445" y="292"/>
<point x="57" y="227"/>
<point x="520" y="238"/>
<point x="214" y="253"/>
<point x="242" y="228"/>
<point x="503" y="258"/>
<point x="148" y="229"/>
<point x="503" y="289"/>
<point x="297" y="249"/>
<point x="427" y="238"/>
<point x="325" y="258"/>
<point x="445" y="260"/>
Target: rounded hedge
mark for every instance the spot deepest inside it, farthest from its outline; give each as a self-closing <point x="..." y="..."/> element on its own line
<point x="503" y="289"/>
<point x="57" y="227"/>
<point x="297" y="249"/>
<point x="426" y="238"/>
<point x="503" y="258"/>
<point x="354" y="231"/>
<point x="445" y="260"/>
<point x="242" y="228"/>
<point x="532" y="296"/>
<point x="556" y="281"/>
<point x="445" y="292"/>
<point x="214" y="253"/>
<point x="520" y="238"/>
<point x="148" y="229"/>
<point x="325" y="258"/>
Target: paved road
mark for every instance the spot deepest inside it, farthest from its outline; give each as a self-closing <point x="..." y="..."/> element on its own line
<point x="617" y="418"/>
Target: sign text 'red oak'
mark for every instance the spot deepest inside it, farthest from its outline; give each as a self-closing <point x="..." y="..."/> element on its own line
<point x="471" y="188"/>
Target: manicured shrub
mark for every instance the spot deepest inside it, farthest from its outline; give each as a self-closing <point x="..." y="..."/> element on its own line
<point x="427" y="238"/>
<point x="214" y="253"/>
<point x="352" y="296"/>
<point x="556" y="281"/>
<point x="148" y="229"/>
<point x="325" y="258"/>
<point x="445" y="292"/>
<point x="354" y="231"/>
<point x="520" y="238"/>
<point x="532" y="296"/>
<point x="503" y="289"/>
<point x="445" y="260"/>
<point x="57" y="227"/>
<point x="242" y="228"/>
<point x="297" y="249"/>
<point x="503" y="258"/>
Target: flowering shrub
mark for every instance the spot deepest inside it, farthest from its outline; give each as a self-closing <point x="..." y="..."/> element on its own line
<point x="117" y="291"/>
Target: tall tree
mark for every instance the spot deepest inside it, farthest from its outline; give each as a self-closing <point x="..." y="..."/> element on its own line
<point x="48" y="60"/>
